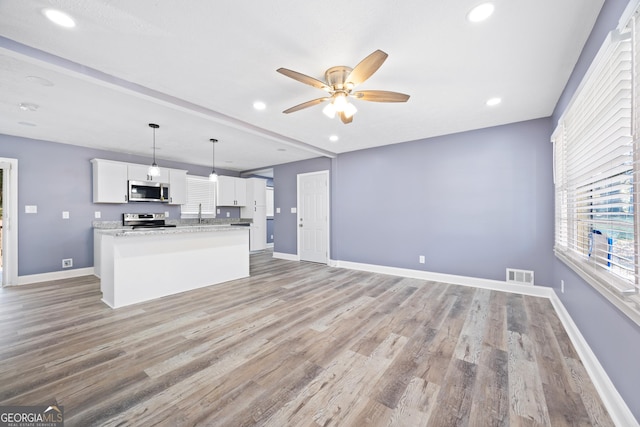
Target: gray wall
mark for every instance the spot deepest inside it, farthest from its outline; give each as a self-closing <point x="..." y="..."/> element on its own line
<point x="472" y="203"/>
<point x="614" y="339"/>
<point x="285" y="198"/>
<point x="56" y="178"/>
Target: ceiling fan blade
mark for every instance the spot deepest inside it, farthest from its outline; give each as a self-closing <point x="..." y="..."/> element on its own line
<point x="306" y="105"/>
<point x="346" y="120"/>
<point x="366" y="67"/>
<point x="303" y="78"/>
<point x="380" y="96"/>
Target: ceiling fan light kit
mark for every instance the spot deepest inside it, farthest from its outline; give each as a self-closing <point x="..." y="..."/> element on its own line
<point x="340" y="84"/>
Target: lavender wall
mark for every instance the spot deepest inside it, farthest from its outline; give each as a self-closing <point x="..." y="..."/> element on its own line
<point x="472" y="203"/>
<point x="285" y="197"/>
<point x="58" y="177"/>
<point x="614" y="339"/>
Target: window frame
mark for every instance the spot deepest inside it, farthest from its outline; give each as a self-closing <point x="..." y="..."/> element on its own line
<point x="623" y="293"/>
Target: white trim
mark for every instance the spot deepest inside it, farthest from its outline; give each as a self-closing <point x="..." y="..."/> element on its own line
<point x="55" y="275"/>
<point x="285" y="256"/>
<point x="615" y="404"/>
<point x="495" y="285"/>
<point x="10" y="222"/>
<point x="628" y="13"/>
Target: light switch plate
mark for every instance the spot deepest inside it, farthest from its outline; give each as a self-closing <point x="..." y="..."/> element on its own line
<point x="65" y="214"/>
<point x="97" y="215"/>
<point x="228" y="214"/>
<point x="30" y="209"/>
<point x="277" y="210"/>
<point x="166" y="214"/>
<point x="294" y="210"/>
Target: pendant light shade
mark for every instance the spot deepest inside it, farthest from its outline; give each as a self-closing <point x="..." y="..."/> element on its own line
<point x="154" y="170"/>
<point x="213" y="176"/>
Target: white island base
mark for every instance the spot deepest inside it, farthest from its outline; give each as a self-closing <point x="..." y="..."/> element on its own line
<point x="138" y="266"/>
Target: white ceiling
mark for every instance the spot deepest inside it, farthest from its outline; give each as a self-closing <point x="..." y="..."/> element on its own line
<point x="196" y="68"/>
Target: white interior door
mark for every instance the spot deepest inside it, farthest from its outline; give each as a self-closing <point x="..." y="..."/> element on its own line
<point x="9" y="275"/>
<point x="313" y="216"/>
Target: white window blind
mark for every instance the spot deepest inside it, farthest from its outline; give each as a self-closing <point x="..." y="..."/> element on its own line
<point x="201" y="194"/>
<point x="594" y="172"/>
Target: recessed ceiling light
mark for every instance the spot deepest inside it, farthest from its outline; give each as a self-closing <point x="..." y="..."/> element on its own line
<point x="282" y="149"/>
<point x="27" y="124"/>
<point x="259" y="105"/>
<point x="493" y="101"/>
<point x="39" y="80"/>
<point x="27" y="106"/>
<point x="59" y="18"/>
<point x="333" y="138"/>
<point x="480" y="12"/>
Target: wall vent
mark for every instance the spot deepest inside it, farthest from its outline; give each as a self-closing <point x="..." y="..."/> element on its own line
<point x="521" y="277"/>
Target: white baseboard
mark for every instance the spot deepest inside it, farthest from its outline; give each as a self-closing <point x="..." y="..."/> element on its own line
<point x="288" y="257"/>
<point x="54" y="275"/>
<point x="496" y="285"/>
<point x="615" y="404"/>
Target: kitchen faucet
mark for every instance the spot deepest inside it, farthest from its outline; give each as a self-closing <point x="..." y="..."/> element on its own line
<point x="199" y="213"/>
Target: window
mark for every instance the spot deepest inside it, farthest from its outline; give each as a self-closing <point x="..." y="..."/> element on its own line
<point x="201" y="197"/>
<point x="596" y="171"/>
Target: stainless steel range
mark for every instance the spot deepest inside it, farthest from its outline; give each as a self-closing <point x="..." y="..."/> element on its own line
<point x="145" y="220"/>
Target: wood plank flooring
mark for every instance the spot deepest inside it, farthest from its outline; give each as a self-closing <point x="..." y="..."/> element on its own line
<point x="296" y="344"/>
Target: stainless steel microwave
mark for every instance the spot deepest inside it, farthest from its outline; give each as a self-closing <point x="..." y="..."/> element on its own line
<point x="148" y="191"/>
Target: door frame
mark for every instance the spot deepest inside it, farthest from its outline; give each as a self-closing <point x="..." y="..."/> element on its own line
<point x="298" y="204"/>
<point x="9" y="221"/>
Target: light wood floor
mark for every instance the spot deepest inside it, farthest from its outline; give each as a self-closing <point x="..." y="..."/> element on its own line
<point x="297" y="344"/>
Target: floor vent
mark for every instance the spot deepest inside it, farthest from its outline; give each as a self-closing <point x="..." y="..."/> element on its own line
<point x="521" y="277"/>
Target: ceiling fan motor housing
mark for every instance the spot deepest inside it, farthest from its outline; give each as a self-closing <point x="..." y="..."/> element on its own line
<point x="336" y="77"/>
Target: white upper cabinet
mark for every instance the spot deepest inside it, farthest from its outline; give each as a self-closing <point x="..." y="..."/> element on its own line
<point x="109" y="181"/>
<point x="177" y="187"/>
<point x="140" y="173"/>
<point x="256" y="192"/>
<point x="232" y="191"/>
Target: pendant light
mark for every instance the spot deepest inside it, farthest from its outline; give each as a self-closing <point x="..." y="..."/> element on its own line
<point x="154" y="170"/>
<point x="213" y="176"/>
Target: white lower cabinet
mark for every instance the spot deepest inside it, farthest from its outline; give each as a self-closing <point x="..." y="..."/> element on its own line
<point x="258" y="229"/>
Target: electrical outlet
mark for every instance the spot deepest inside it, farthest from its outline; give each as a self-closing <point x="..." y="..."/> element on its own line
<point x="228" y="214"/>
<point x="67" y="262"/>
<point x="562" y="286"/>
<point x="166" y="214"/>
<point x="421" y="259"/>
<point x="97" y="215"/>
<point x="65" y="214"/>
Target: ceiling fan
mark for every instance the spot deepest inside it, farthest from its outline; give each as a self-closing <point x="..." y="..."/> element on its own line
<point x="340" y="83"/>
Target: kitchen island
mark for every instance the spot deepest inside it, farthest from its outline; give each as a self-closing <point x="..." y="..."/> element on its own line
<point x="144" y="264"/>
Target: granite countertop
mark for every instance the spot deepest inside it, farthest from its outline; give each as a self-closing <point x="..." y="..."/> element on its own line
<point x="115" y="228"/>
<point x="128" y="231"/>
